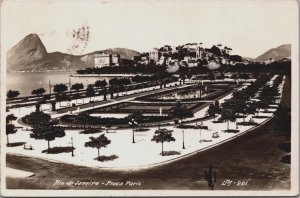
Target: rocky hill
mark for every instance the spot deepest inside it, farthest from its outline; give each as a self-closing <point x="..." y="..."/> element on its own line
<point x="28" y="50"/>
<point x="30" y="54"/>
<point x="283" y="51"/>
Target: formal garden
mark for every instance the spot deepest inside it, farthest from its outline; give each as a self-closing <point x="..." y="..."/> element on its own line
<point x="149" y="132"/>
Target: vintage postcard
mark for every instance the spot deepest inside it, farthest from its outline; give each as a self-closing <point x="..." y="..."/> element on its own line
<point x="149" y="98"/>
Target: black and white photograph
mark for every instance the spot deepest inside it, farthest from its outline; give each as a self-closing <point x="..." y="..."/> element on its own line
<point x="149" y="98"/>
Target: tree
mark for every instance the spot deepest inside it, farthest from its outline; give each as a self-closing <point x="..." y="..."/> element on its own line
<point x="104" y="92"/>
<point x="36" y="117"/>
<point x="263" y="104"/>
<point x="47" y="130"/>
<point x="12" y="94"/>
<point x="269" y="93"/>
<point x="10" y="129"/>
<point x="46" y="97"/>
<point x="98" y="142"/>
<point x="181" y="112"/>
<point x="77" y="87"/>
<point x="216" y="51"/>
<point x="112" y="90"/>
<point x="102" y="84"/>
<point x="246" y="109"/>
<point x="38" y="92"/>
<point x="59" y="88"/>
<point x="161" y="136"/>
<point x="182" y="76"/>
<point x="228" y="115"/>
<point x="10" y="118"/>
<point x="34" y="92"/>
<point x="90" y="92"/>
<point x="213" y="109"/>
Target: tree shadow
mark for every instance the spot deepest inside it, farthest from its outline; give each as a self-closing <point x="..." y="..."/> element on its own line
<point x="15" y="144"/>
<point x="57" y="150"/>
<point x="90" y="131"/>
<point x="168" y="153"/>
<point x="104" y="158"/>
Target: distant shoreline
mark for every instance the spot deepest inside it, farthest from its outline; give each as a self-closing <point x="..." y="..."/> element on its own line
<point x="106" y="75"/>
<point x="81" y="75"/>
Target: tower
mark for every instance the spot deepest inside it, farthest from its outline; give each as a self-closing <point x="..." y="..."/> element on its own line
<point x="198" y="52"/>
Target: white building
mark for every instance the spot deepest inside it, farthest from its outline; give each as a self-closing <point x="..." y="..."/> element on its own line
<point x="102" y="60"/>
<point x="153" y="55"/>
<point x="199" y="53"/>
<point x="115" y="59"/>
<point x="105" y="60"/>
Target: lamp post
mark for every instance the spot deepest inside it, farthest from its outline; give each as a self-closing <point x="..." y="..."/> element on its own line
<point x="183" y="147"/>
<point x="200" y="127"/>
<point x="132" y="123"/>
<point x="72" y="147"/>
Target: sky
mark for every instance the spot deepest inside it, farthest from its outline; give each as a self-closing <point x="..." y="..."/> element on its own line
<point x="249" y="27"/>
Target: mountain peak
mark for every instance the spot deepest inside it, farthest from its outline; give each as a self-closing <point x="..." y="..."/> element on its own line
<point x="30" y="53"/>
<point x="278" y="53"/>
<point x="26" y="51"/>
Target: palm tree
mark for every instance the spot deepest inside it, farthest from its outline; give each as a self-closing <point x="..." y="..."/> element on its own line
<point x="77" y="87"/>
<point x="98" y="142"/>
<point x="161" y="136"/>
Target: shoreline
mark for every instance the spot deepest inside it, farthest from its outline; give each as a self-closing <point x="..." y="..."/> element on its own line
<point x="106" y="75"/>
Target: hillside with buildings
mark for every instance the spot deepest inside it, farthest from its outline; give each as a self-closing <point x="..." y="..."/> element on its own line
<point x="31" y="55"/>
<point x="189" y="55"/>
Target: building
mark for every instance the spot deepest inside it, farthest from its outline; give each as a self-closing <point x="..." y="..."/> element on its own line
<point x="153" y="55"/>
<point x="105" y="60"/>
<point x="161" y="60"/>
<point x="115" y="59"/>
<point x="102" y="60"/>
<point x="198" y="53"/>
<point x="192" y="63"/>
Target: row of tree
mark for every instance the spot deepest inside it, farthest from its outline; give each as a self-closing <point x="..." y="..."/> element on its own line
<point x="240" y="104"/>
